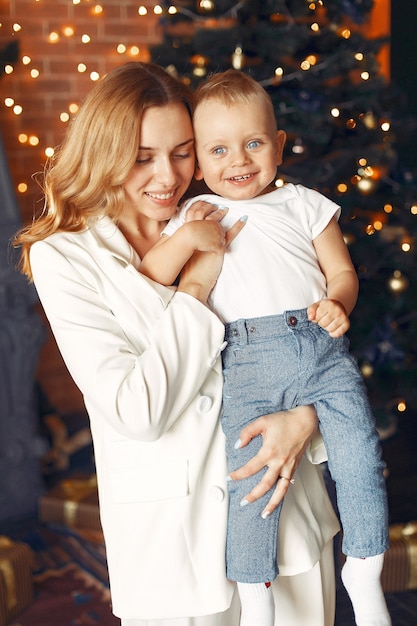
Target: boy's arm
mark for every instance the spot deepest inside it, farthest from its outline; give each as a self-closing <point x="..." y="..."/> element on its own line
<point x="341" y="278"/>
<point x="165" y="260"/>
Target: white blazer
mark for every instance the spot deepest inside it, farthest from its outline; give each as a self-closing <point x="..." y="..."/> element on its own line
<point x="146" y="361"/>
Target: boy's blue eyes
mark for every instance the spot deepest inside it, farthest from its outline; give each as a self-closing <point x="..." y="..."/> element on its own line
<point x="251" y="145"/>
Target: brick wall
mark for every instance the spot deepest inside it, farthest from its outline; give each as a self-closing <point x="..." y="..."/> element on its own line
<point x="45" y="98"/>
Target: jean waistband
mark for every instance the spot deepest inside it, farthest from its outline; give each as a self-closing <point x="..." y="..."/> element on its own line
<point x="258" y="328"/>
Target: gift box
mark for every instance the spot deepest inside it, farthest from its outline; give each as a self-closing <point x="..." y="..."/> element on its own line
<point x="73" y="503"/>
<point x="400" y="563"/>
<point x="16" y="584"/>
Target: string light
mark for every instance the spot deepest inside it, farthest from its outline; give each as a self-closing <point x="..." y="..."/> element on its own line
<point x="364" y="183"/>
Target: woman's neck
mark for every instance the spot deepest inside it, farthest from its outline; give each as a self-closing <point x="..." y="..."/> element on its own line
<point x="142" y="235"/>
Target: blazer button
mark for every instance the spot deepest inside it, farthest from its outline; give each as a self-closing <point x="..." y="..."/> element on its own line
<point x="204" y="404"/>
<point x="217" y="493"/>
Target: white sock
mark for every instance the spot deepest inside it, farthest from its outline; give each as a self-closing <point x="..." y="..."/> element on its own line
<point x="257" y="602"/>
<point x="362" y="579"/>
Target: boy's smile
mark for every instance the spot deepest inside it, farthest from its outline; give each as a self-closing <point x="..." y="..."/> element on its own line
<point x="238" y="148"/>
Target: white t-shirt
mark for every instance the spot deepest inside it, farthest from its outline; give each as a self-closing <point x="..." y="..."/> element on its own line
<point x="271" y="266"/>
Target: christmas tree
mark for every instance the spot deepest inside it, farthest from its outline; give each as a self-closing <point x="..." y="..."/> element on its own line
<point x="344" y="121"/>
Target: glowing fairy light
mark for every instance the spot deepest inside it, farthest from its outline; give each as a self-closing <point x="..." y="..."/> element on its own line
<point x="68" y="31"/>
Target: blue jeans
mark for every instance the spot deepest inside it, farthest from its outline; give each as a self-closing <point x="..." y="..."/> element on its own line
<point x="275" y="363"/>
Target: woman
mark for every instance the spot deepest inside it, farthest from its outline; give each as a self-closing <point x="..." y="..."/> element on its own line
<point x="146" y="360"/>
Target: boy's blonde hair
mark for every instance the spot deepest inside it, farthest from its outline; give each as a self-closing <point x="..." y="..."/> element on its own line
<point x="84" y="180"/>
<point x="234" y="87"/>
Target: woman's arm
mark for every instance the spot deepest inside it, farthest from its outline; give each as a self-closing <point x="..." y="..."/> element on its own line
<point x="138" y="352"/>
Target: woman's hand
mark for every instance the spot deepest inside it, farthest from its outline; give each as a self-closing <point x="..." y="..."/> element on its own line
<point x="286" y="435"/>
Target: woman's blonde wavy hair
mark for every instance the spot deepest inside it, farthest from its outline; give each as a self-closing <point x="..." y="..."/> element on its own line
<point x="84" y="179"/>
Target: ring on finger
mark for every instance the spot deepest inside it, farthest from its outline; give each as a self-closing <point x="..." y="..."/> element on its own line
<point x="290" y="480"/>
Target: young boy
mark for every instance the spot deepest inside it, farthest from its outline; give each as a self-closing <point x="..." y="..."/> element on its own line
<point x="285" y="293"/>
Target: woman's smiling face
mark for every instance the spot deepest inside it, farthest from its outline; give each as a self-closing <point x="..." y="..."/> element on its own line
<point x="165" y="162"/>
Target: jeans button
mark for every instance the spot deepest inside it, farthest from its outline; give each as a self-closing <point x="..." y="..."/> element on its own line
<point x="293" y="321"/>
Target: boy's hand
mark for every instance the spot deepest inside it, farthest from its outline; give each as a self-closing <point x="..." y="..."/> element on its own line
<point x="330" y="315"/>
<point x="205" y="235"/>
<point x="202" y="210"/>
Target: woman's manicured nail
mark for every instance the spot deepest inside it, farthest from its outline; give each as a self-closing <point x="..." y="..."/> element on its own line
<point x="243" y="218"/>
<point x="244" y="502"/>
<point x="265" y="514"/>
<point x="237" y="444"/>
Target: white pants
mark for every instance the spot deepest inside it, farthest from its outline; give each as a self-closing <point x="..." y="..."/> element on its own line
<point x="307" y="599"/>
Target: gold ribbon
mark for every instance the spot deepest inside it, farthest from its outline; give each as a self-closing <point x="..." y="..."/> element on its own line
<point x="76" y="490"/>
<point x="408" y="533"/>
<point x="8" y="574"/>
